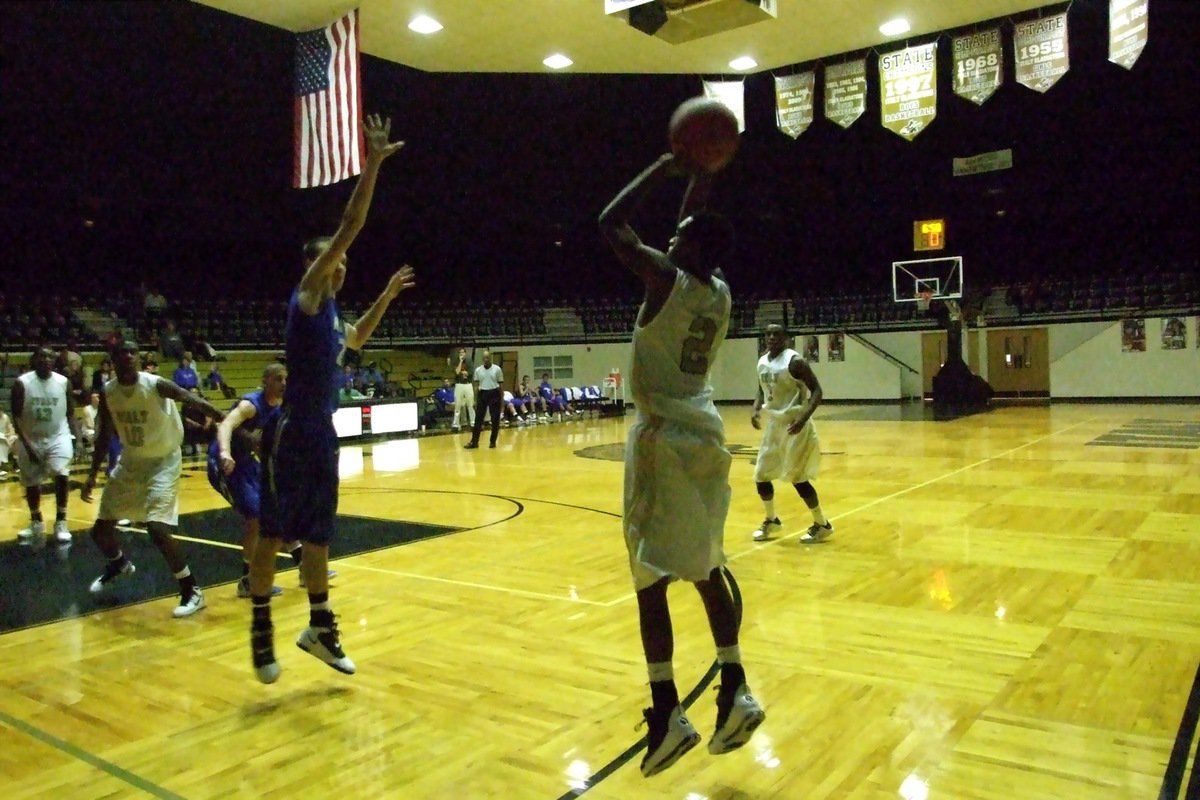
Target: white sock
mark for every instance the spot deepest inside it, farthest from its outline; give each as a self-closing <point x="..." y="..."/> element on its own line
<point x="661" y="671"/>
<point x="183" y="573"/>
<point x="769" y="505"/>
<point x="819" y="516"/>
<point x="729" y="655"/>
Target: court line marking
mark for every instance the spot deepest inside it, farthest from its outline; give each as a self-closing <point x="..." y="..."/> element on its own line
<point x="472" y="585"/>
<point x="80" y="754"/>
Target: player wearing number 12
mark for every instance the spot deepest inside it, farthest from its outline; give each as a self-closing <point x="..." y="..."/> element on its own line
<point x="676" y="464"/>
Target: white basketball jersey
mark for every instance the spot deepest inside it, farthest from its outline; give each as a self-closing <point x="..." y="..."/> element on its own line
<point x="148" y="424"/>
<point x="780" y="389"/>
<point x="44" y="415"/>
<point x="673" y="355"/>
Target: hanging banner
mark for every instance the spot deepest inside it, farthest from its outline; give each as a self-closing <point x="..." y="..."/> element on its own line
<point x="1128" y="30"/>
<point x="984" y="162"/>
<point x="846" y="92"/>
<point x="908" y="89"/>
<point x="794" y="102"/>
<point x="978" y="65"/>
<point x="731" y="95"/>
<point x="1040" y="48"/>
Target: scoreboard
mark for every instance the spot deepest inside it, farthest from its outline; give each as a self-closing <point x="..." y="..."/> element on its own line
<point x="929" y="234"/>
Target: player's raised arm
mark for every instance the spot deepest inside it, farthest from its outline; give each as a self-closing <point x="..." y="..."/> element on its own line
<point x="647" y="262"/>
<point x="319" y="273"/>
<point x="358" y="333"/>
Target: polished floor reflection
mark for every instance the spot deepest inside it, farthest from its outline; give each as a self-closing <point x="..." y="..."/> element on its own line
<point x="1008" y="609"/>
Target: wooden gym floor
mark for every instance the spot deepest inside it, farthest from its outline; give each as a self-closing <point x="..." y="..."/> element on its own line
<point x="1008" y="609"/>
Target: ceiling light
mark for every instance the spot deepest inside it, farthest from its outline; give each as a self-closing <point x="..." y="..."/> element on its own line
<point x="557" y="61"/>
<point x="743" y="63"/>
<point x="894" y="27"/>
<point x="424" y="24"/>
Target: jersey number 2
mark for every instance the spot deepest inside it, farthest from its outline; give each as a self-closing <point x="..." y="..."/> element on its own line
<point x="693" y="359"/>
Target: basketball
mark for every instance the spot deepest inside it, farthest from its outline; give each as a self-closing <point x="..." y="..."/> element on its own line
<point x="704" y="134"/>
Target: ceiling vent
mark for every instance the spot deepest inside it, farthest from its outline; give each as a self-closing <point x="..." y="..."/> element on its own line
<point x="678" y="21"/>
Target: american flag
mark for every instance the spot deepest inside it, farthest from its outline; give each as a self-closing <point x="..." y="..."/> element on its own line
<point x="328" y="105"/>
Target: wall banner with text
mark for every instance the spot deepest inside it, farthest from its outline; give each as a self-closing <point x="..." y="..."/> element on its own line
<point x="846" y="92"/>
<point x="1040" y="50"/>
<point x="1128" y="30"/>
<point x="794" y="102"/>
<point x="732" y="95"/>
<point x="978" y="65"/>
<point x="908" y="89"/>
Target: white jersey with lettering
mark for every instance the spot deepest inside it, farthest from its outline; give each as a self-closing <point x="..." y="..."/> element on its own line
<point x="44" y="415"/>
<point x="677" y="493"/>
<point x="673" y="355"/>
<point x="794" y="457"/>
<point x="148" y="423"/>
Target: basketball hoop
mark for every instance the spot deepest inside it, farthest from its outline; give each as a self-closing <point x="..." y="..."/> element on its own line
<point x="923" y="299"/>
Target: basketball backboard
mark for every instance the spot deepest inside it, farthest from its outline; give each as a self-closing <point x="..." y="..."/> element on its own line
<point x="927" y="279"/>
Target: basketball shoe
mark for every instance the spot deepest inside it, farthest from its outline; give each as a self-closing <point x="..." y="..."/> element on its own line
<point x="110" y="576"/>
<point x="190" y="605"/>
<point x="817" y="533"/>
<point x="262" y="654"/>
<point x="738" y="714"/>
<point x="764" y="531"/>
<point x="62" y="534"/>
<point x="34" y="535"/>
<point x="669" y="737"/>
<point x="325" y="644"/>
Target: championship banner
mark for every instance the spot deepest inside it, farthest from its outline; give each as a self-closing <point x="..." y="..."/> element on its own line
<point x="1041" y="51"/>
<point x="978" y="65"/>
<point x="1128" y="30"/>
<point x="794" y="102"/>
<point x="984" y="162"/>
<point x="846" y="92"/>
<point x="731" y="95"/>
<point x="908" y="89"/>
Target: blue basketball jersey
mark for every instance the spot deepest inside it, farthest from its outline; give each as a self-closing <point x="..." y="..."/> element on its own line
<point x="240" y="445"/>
<point x="315" y="348"/>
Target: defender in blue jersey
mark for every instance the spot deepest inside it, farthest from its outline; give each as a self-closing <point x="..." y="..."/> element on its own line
<point x="300" y="447"/>
<point x="233" y="466"/>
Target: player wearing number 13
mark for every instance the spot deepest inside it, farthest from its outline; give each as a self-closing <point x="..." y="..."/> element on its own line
<point x="145" y="483"/>
<point x="676" y="464"/>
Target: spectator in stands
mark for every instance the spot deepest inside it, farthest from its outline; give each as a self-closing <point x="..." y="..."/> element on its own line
<point x="370" y="380"/>
<point x="154" y="304"/>
<point x="186" y="376"/>
<point x="553" y="399"/>
<point x="88" y="420"/>
<point x="170" y="343"/>
<point x="149" y="364"/>
<point x="215" y="380"/>
<point x="440" y="403"/>
<point x="102" y="375"/>
<point x="68" y="359"/>
<point x="114" y="340"/>
<point x="8" y="438"/>
<point x="199" y="430"/>
<point x="464" y="392"/>
<point x="349" y="379"/>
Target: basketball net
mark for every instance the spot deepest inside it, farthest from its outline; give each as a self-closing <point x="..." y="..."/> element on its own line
<point x="923" y="299"/>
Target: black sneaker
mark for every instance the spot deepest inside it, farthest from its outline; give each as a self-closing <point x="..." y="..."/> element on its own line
<point x="262" y="654"/>
<point x="325" y="645"/>
<point x="668" y="738"/>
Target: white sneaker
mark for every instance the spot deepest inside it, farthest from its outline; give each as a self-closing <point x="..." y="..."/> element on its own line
<point x="262" y="655"/>
<point x="764" y="531"/>
<point x="243" y="588"/>
<point x="304" y="583"/>
<point x="667" y="740"/>
<point x="737" y="718"/>
<point x="109" y="577"/>
<point x="62" y="534"/>
<point x="191" y="605"/>
<point x="34" y="535"/>
<point x="817" y="533"/>
<point x="325" y="645"/>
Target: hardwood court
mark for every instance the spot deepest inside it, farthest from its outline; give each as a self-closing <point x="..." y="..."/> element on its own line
<point x="1005" y="611"/>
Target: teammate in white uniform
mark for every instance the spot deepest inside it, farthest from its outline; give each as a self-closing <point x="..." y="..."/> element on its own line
<point x="145" y="483"/>
<point x="676" y="463"/>
<point x="44" y="421"/>
<point x="788" y="394"/>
